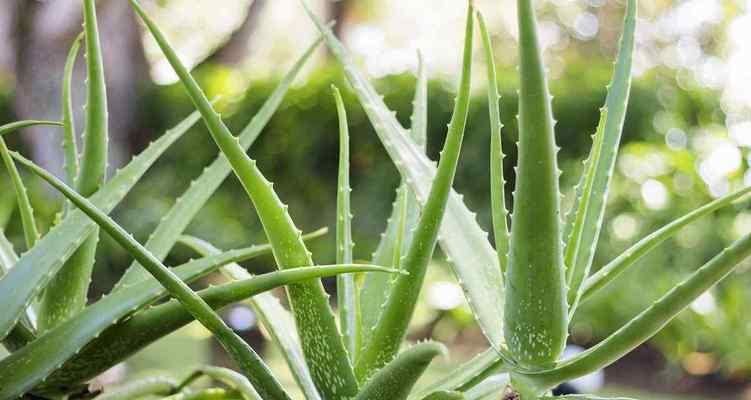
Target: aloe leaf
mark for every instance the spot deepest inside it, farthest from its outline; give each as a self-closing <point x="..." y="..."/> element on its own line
<point x="397" y="312"/>
<point x="132" y="334"/>
<point x="473" y="259"/>
<point x="395" y="380"/>
<point x="31" y="234"/>
<point x="628" y="258"/>
<point x="445" y="395"/>
<point x="14" y="126"/>
<point x="401" y="224"/>
<point x="247" y="359"/>
<point x="192" y="200"/>
<point x="497" y="181"/>
<point x="273" y="316"/>
<point x="590" y="211"/>
<point x="65" y="295"/>
<point x="206" y="394"/>
<point x="348" y="297"/>
<point x="648" y="322"/>
<point x="230" y="378"/>
<point x="58" y="345"/>
<point x="465" y="375"/>
<point x="22" y="333"/>
<point x="536" y="318"/>
<point x="70" y="147"/>
<point x="151" y="386"/>
<point x="35" y="267"/>
<point x="322" y="343"/>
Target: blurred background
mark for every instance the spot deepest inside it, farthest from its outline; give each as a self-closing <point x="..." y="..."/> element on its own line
<point x="687" y="140"/>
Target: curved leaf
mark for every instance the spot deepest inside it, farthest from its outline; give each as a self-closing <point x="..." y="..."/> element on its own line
<point x="319" y="334"/>
<point x="392" y="325"/>
<point x="465" y="375"/>
<point x="14" y="126"/>
<point x="156" y="386"/>
<point x="40" y="263"/>
<point x="395" y="380"/>
<point x="248" y="360"/>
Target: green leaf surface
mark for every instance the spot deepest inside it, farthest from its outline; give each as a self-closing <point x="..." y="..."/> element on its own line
<point x="465" y="375"/>
<point x="70" y="146"/>
<point x="497" y="181"/>
<point x="322" y="343"/>
<point x="348" y="296"/>
<point x="648" y="322"/>
<point x="193" y="199"/>
<point x="376" y="287"/>
<point x="392" y="325"/>
<point x="585" y="397"/>
<point x="230" y="378"/>
<point x="612" y="270"/>
<point x="395" y="380"/>
<point x="276" y="320"/>
<point x="585" y="233"/>
<point x="248" y="360"/>
<point x="40" y="263"/>
<point x="489" y="388"/>
<point x="473" y="259"/>
<point x="536" y="315"/>
<point x="445" y="395"/>
<point x="132" y="334"/>
<point x="36" y="361"/>
<point x="14" y="126"/>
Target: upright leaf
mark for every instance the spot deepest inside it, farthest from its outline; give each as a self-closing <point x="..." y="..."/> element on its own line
<point x="376" y="287"/>
<point x="346" y="287"/>
<point x="200" y="190"/>
<point x="67" y="292"/>
<point x="392" y="325"/>
<point x="648" y="322"/>
<point x="585" y="233"/>
<point x="497" y="181"/>
<point x="276" y="320"/>
<point x="247" y="359"/>
<point x="35" y="267"/>
<point x="70" y="146"/>
<point x="395" y="380"/>
<point x="536" y="310"/>
<point x="473" y="259"/>
<point x="322" y="343"/>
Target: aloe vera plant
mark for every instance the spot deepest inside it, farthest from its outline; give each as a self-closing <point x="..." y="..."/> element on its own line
<point x="523" y="292"/>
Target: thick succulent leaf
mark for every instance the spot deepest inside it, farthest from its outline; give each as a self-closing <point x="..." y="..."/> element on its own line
<point x="70" y="146"/>
<point x="536" y="315"/>
<point x="582" y="242"/>
<point x="648" y="322"/>
<point x="348" y="296"/>
<point x="322" y="343"/>
<point x="376" y="287"/>
<point x="13" y="126"/>
<point x="465" y="375"/>
<point x="395" y="380"/>
<point x="274" y="317"/>
<point x="230" y="378"/>
<point x="473" y="259"/>
<point x="488" y="388"/>
<point x="248" y="360"/>
<point x="36" y="361"/>
<point x="607" y="274"/>
<point x="38" y="265"/>
<point x="192" y="200"/>
<point x="392" y="325"/>
<point x="151" y="386"/>
<point x="497" y="181"/>
<point x="132" y="334"/>
<point x="207" y="394"/>
<point x="23" y="332"/>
